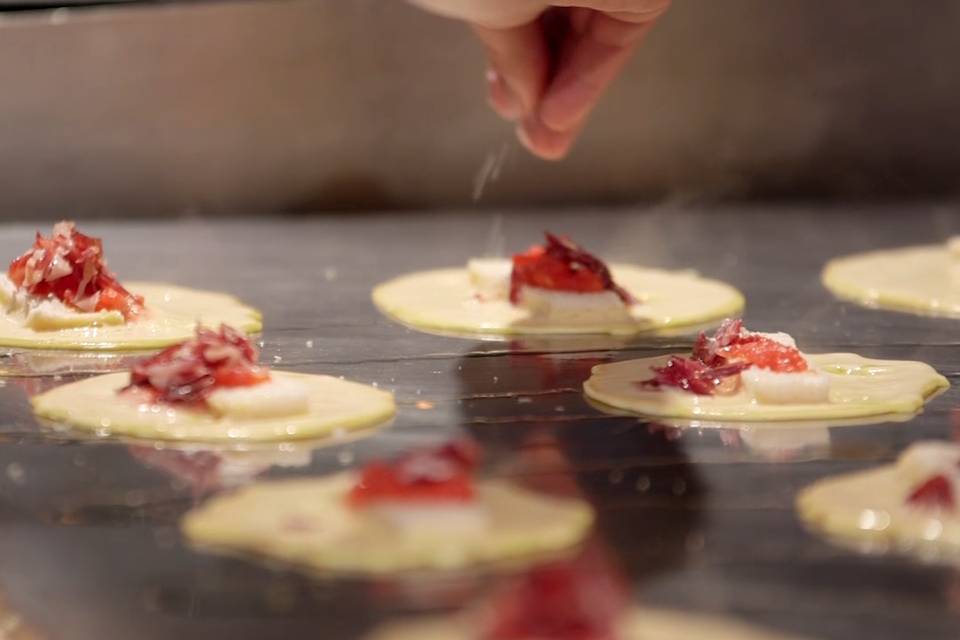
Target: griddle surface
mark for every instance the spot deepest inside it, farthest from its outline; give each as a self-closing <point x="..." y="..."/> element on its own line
<point x="88" y="542"/>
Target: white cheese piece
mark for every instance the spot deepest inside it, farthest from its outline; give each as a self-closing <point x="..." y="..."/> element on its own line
<point x="432" y="519"/>
<point x="272" y="399"/>
<point x="923" y="460"/>
<point x="8" y="291"/>
<point x="953" y="246"/>
<point x="52" y="315"/>
<point x="571" y="307"/>
<point x="770" y="387"/>
<point x="490" y="277"/>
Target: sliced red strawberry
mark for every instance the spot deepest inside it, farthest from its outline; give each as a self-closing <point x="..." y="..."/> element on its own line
<point x="443" y="475"/>
<point x="191" y="371"/>
<point x="762" y="352"/>
<point x="575" y="600"/>
<point x="692" y="375"/>
<point x="561" y="265"/>
<point x="935" y="492"/>
<point x="70" y="267"/>
<point x="731" y="344"/>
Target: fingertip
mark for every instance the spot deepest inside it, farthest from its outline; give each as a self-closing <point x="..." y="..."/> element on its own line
<point x="544" y="142"/>
<point x="501" y="99"/>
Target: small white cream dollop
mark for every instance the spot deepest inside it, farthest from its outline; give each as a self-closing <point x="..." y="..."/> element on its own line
<point x="490" y="277"/>
<point x="432" y="519"/>
<point x="271" y="399"/>
<point x="953" y="246"/>
<point x="928" y="458"/>
<point x="572" y="307"/>
<point x="770" y="387"/>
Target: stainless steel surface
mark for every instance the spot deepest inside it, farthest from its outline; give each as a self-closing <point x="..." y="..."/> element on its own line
<point x="88" y="541"/>
<point x="293" y="105"/>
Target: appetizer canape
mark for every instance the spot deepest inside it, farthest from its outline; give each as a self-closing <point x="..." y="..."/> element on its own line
<point x="554" y="288"/>
<point x="579" y="600"/>
<point x="426" y="510"/>
<point x="921" y="279"/>
<point x="61" y="295"/>
<point x="210" y="388"/>
<point x="742" y="375"/>
<point x="911" y="505"/>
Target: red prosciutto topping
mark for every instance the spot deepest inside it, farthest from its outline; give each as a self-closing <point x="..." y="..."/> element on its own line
<point x="579" y="600"/>
<point x="443" y="475"/>
<point x="561" y="265"/>
<point x="70" y="266"/>
<point x="694" y="376"/>
<point x="935" y="492"/>
<point x="191" y="371"/>
<point x="727" y="353"/>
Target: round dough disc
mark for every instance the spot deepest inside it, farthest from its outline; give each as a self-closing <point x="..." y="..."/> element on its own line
<point x="921" y="280"/>
<point x="868" y="510"/>
<point x="641" y="623"/>
<point x="859" y="387"/>
<point x="443" y="300"/>
<point x="307" y="523"/>
<point x="93" y="405"/>
<point x="172" y="316"/>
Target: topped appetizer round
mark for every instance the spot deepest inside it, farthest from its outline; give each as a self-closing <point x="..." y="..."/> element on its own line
<point x="554" y="288"/>
<point x="425" y="510"/>
<point x="579" y="599"/>
<point x="911" y="505"/>
<point x="61" y="295"/>
<point x="743" y="375"/>
<point x="209" y="389"/>
<point x="922" y="279"/>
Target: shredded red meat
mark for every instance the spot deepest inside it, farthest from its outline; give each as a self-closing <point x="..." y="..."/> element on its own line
<point x="574" y="600"/>
<point x="444" y="474"/>
<point x="691" y="375"/>
<point x="935" y="492"/>
<point x="190" y="371"/>
<point x="70" y="267"/>
<point x="561" y="265"/>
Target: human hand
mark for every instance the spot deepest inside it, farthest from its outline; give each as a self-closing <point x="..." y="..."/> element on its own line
<point x="551" y="64"/>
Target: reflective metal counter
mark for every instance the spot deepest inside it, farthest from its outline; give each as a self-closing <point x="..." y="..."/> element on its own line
<point x="699" y="520"/>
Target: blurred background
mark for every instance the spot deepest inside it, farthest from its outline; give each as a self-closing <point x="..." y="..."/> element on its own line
<point x="265" y="106"/>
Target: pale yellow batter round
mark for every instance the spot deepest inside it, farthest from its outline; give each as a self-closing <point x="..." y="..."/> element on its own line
<point x="641" y="623"/>
<point x="923" y="279"/>
<point x="172" y="315"/>
<point x="93" y="404"/>
<point x="868" y="510"/>
<point x="859" y="387"/>
<point x="443" y="300"/>
<point x="307" y="523"/>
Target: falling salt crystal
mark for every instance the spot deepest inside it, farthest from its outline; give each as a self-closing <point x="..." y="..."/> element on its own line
<point x="330" y="274"/>
<point x="16" y="473"/>
<point x="309" y="344"/>
<point x="496" y="379"/>
<point x="489" y="171"/>
<point x="374" y="384"/>
<point x="559" y="409"/>
<point x="345" y="457"/>
<point x="524" y="400"/>
<point x="277" y="359"/>
<point x="291" y="430"/>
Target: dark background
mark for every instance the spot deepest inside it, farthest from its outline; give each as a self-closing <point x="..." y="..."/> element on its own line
<point x="304" y="105"/>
